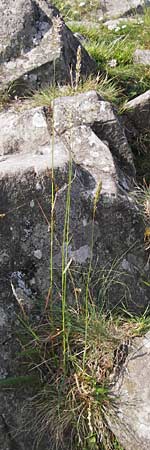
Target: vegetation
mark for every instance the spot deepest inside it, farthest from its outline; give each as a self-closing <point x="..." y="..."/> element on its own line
<point x="77" y="9"/>
<point x="72" y="351"/>
<point x="75" y="397"/>
<point x="114" y="49"/>
<point x="106" y="88"/>
<point x="76" y="352"/>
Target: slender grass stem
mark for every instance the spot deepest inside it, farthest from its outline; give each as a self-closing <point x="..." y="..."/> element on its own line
<point x="65" y="261"/>
<point x="96" y="198"/>
<point x="52" y="207"/>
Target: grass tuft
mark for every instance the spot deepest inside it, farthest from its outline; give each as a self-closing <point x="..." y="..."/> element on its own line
<point x="74" y="404"/>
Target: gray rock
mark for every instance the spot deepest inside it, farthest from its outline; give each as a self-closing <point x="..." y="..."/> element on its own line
<point x="133" y="398"/>
<point x="136" y="119"/>
<point x="115" y="8"/>
<point x="137" y="112"/>
<point x="18" y="26"/>
<point x="91" y="110"/>
<point x="88" y="129"/>
<point x="142" y="57"/>
<point x="35" y="44"/>
<point x="80" y="38"/>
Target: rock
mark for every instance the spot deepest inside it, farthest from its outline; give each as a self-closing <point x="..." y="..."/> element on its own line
<point x="34" y="44"/>
<point x="137" y="112"/>
<point x="142" y="57"/>
<point x="91" y="109"/>
<point x="132" y="392"/>
<point x="80" y="38"/>
<point x="136" y="120"/>
<point x="115" y="8"/>
<point x="87" y="128"/>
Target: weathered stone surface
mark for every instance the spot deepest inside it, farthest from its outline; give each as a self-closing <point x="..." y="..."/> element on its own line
<point x="133" y="392"/>
<point x="142" y="57"/>
<point x="17" y="30"/>
<point x="136" y="119"/>
<point x="138" y="112"/>
<point x="88" y="129"/>
<point x="91" y="110"/>
<point x="35" y="44"/>
<point x="113" y="8"/>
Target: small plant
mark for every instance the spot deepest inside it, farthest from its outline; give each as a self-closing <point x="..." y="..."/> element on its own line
<point x="74" y="401"/>
<point x="78" y="398"/>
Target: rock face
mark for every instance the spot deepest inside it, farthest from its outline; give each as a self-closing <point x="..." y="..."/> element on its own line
<point x="36" y="47"/>
<point x="83" y="131"/>
<point x="87" y="128"/>
<point x="133" y="392"/>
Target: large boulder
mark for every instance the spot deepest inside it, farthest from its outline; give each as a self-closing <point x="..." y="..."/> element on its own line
<point x="83" y="129"/>
<point x="36" y="47"/>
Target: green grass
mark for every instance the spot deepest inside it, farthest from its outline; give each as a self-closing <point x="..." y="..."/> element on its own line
<point x="76" y="9"/>
<point x="105" y="45"/>
<point x="107" y="88"/>
<point x="79" y="397"/>
<point x="20" y="380"/>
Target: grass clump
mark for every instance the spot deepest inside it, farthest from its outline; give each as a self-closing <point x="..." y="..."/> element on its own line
<point x="107" y="88"/>
<point x="75" y="399"/>
<point x="142" y="198"/>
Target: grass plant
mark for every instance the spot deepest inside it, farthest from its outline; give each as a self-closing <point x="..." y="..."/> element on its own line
<point x="142" y="197"/>
<point x="74" y="401"/>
